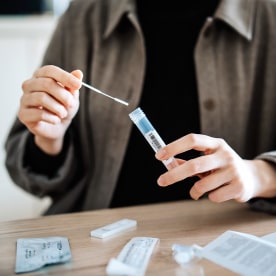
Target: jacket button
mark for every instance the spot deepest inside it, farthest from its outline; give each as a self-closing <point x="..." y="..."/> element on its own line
<point x="210" y="104"/>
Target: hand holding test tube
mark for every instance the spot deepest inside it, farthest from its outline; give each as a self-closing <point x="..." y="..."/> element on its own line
<point x="146" y="128"/>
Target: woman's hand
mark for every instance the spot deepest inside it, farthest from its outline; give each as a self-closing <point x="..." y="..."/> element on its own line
<point x="223" y="174"/>
<point x="49" y="102"/>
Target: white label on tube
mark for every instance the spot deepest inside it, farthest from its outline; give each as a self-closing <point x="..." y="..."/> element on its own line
<point x="157" y="143"/>
<point x="155" y="140"/>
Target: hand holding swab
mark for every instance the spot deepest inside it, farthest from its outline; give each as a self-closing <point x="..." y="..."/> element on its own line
<point x="104" y="94"/>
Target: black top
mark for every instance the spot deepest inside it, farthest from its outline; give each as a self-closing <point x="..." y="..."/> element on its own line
<point x="169" y="98"/>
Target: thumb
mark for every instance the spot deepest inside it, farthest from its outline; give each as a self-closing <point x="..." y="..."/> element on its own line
<point x="78" y="74"/>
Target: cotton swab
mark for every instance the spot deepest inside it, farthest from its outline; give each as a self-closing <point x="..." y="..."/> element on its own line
<point x="104" y="94"/>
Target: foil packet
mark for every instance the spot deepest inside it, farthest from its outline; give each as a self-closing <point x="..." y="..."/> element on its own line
<point x="34" y="253"/>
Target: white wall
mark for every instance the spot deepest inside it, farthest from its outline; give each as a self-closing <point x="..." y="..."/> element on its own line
<point x="22" y="43"/>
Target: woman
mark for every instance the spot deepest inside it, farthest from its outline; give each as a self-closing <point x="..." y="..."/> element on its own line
<point x="206" y="68"/>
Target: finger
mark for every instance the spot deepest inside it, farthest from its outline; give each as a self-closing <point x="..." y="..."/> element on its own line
<point x="50" y="87"/>
<point x="172" y="176"/>
<point x="191" y="168"/>
<point x="44" y="101"/>
<point x="65" y="78"/>
<point x="188" y="142"/>
<point x="32" y="116"/>
<point x="43" y="129"/>
<point x="211" y="182"/>
<point x="226" y="192"/>
<point x="78" y="74"/>
<point x="180" y="161"/>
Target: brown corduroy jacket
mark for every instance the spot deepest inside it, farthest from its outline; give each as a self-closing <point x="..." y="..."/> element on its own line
<point x="236" y="73"/>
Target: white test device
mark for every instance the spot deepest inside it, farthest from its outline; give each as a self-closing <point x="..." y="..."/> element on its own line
<point x="133" y="258"/>
<point x="113" y="228"/>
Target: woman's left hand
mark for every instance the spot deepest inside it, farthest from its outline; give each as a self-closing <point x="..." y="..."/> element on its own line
<point x="223" y="174"/>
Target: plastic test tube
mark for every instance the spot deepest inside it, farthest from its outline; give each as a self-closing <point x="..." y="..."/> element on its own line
<point x="141" y="121"/>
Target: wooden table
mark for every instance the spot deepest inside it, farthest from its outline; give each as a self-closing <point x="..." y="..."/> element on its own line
<point x="184" y="222"/>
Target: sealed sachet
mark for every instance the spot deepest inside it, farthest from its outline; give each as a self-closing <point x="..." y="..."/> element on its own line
<point x="34" y="253"/>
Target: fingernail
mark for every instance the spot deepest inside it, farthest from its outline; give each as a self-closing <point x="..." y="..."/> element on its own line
<point x="56" y="120"/>
<point x="63" y="114"/>
<point x="161" y="154"/>
<point x="76" y="82"/>
<point x="160" y="181"/>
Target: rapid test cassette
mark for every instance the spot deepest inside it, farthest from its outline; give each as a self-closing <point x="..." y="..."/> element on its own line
<point x="134" y="258"/>
<point x="113" y="228"/>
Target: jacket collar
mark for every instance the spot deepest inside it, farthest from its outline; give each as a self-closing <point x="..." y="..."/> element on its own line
<point x="239" y="14"/>
<point x="115" y="12"/>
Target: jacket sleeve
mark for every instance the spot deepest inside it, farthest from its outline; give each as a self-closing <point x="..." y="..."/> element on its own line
<point x="267" y="205"/>
<point x="22" y="173"/>
<point x="268" y="156"/>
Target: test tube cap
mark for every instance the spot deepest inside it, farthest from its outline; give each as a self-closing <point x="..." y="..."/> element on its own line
<point x="136" y="115"/>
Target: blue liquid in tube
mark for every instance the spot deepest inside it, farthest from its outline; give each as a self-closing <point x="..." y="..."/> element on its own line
<point x="151" y="135"/>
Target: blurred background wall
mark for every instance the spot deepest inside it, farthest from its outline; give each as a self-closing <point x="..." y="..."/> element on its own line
<point x="25" y="30"/>
<point x="15" y="7"/>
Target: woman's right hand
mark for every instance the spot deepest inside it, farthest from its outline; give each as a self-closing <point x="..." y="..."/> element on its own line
<point x="49" y="102"/>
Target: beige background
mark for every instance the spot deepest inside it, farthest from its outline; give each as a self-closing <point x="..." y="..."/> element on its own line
<point x="23" y="40"/>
